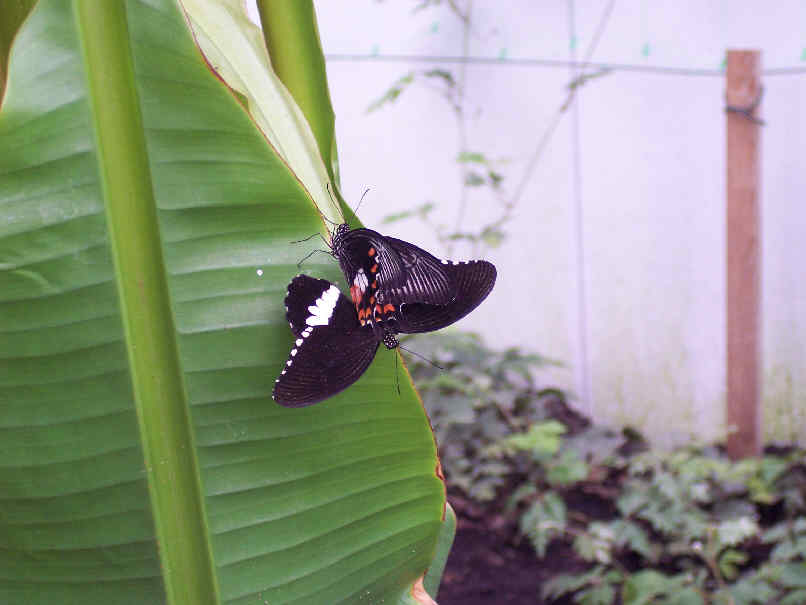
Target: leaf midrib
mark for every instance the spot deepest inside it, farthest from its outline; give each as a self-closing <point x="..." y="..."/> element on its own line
<point x="148" y="322"/>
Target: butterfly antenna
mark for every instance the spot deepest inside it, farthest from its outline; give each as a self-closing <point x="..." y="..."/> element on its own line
<point x="433" y="363"/>
<point x="332" y="197"/>
<point x="361" y="200"/>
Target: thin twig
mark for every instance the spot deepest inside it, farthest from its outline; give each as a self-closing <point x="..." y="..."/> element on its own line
<point x="459" y="110"/>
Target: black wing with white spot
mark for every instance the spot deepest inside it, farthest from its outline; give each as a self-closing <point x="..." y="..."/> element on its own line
<point x="331" y="350"/>
<point x="473" y="281"/>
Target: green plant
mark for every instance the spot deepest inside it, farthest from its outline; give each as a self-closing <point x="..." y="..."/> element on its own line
<point x="687" y="532"/>
<point x="683" y="527"/>
<point x="479" y="172"/>
<point x="146" y="210"/>
<point x="478" y="398"/>
<point x="482" y="176"/>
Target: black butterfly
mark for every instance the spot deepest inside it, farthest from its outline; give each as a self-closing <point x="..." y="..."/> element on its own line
<point x="332" y="349"/>
<point x="335" y="343"/>
<point x="384" y="273"/>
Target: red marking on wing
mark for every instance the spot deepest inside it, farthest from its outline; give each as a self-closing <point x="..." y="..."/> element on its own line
<point x="388" y="307"/>
<point x="371" y="252"/>
<point x="355" y="294"/>
<point x="374" y="268"/>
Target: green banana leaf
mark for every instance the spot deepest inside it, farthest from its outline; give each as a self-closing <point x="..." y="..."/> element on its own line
<point x="145" y="221"/>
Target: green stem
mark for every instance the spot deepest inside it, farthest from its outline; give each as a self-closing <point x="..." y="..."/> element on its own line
<point x="159" y="394"/>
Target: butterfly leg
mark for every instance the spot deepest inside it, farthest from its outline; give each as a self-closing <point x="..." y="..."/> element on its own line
<point x="309" y="255"/>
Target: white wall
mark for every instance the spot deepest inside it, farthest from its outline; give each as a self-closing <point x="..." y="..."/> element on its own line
<point x="652" y="190"/>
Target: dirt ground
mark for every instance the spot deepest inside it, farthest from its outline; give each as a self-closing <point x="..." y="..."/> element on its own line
<point x="486" y="567"/>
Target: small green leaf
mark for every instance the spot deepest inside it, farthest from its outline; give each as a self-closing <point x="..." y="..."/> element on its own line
<point x="735" y="531"/>
<point x="776" y="533"/>
<point x="474" y="179"/>
<point x="441" y="74"/>
<point x="541" y="438"/>
<point x="544" y="521"/>
<point x="394" y="91"/>
<point x="644" y="587"/>
<point x="747" y="592"/>
<point x="492" y="236"/>
<point x="568" y="469"/>
<point x="631" y="501"/>
<point x="603" y="594"/>
<point x="594" y="546"/>
<point x="521" y="493"/>
<point x="789" y="549"/>
<point x="421" y="211"/>
<point x="632" y="535"/>
<point x="471" y="157"/>
<point x="797" y="597"/>
<point x="686" y="596"/>
<point x="568" y="583"/>
<point x="792" y="575"/>
<point x="729" y="562"/>
<point x="457" y="236"/>
<point x="495" y="178"/>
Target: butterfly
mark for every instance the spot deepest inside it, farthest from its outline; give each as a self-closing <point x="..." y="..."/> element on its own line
<point x="385" y="273"/>
<point x="334" y="343"/>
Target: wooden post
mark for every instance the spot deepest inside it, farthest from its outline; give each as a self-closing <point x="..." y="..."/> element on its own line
<point x="743" y="253"/>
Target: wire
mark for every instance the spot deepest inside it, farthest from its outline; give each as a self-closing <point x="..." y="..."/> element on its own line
<point x="575" y="66"/>
<point x="558" y="63"/>
<point x="578" y="207"/>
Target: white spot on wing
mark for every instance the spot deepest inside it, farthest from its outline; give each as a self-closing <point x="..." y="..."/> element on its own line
<point x="293" y="352"/>
<point x="322" y="309"/>
<point x="299" y="341"/>
<point x="360" y="280"/>
<point x="259" y="272"/>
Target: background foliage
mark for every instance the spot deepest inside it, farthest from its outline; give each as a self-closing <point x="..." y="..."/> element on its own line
<point x="635" y="525"/>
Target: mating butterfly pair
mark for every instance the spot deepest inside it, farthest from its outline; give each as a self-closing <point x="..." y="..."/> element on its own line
<point x="395" y="287"/>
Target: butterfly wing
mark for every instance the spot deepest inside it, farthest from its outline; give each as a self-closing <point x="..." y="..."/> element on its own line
<point x="391" y="271"/>
<point x="331" y="350"/>
<point x="425" y="278"/>
<point x="473" y="280"/>
<point x="363" y="249"/>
